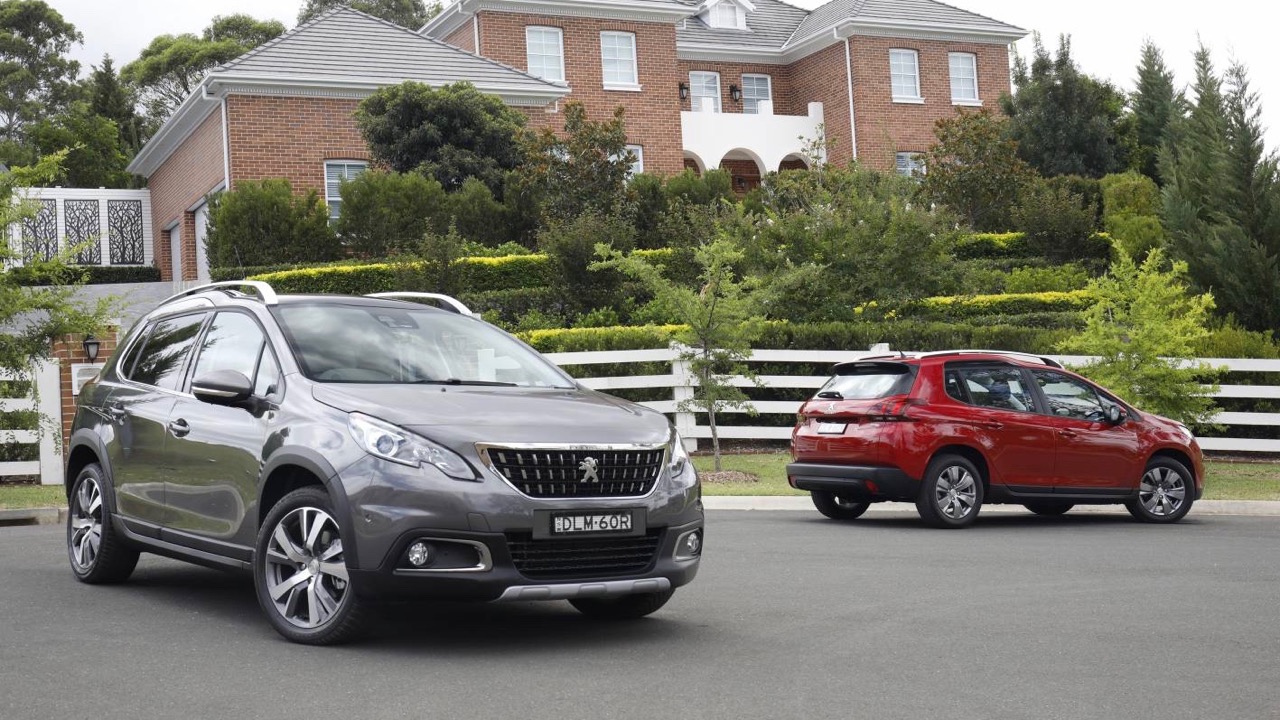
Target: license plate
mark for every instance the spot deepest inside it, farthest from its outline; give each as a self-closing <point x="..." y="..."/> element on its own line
<point x="577" y="523"/>
<point x="829" y="428"/>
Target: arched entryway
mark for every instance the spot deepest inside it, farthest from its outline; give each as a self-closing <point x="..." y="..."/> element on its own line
<point x="745" y="169"/>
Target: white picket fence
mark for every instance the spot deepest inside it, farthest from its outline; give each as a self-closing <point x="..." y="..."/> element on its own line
<point x="681" y="383"/>
<point x="46" y="400"/>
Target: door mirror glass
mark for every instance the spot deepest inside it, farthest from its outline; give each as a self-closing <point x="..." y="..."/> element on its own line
<point x="222" y="387"/>
<point x="1113" y="415"/>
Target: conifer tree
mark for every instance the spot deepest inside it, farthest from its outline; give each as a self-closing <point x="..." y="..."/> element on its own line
<point x="1155" y="103"/>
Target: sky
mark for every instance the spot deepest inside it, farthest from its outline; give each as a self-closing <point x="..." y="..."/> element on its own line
<point x="1106" y="35"/>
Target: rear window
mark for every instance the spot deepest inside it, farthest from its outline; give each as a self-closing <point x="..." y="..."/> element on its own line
<point x="869" y="381"/>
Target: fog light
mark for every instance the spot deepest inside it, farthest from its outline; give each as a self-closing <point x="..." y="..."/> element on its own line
<point x="689" y="546"/>
<point x="419" y="554"/>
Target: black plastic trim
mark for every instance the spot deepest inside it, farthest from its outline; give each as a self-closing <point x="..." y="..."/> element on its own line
<point x="891" y="482"/>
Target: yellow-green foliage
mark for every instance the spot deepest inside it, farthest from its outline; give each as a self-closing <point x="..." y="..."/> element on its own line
<point x="602" y="338"/>
<point x="968" y="306"/>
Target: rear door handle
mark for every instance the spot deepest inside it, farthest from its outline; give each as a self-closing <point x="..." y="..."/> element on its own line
<point x="992" y="425"/>
<point x="1068" y="433"/>
<point x="116" y="411"/>
<point x="179" y="428"/>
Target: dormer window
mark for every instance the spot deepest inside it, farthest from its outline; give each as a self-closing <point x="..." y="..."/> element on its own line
<point x="726" y="14"/>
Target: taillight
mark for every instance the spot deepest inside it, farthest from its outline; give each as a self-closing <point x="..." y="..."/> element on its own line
<point x="892" y="409"/>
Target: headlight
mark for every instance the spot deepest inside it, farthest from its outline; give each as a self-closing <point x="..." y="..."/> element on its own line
<point x="398" y="445"/>
<point x="1186" y="432"/>
<point x="679" y="456"/>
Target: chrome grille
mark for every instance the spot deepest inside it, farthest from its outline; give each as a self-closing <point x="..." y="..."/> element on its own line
<point x="582" y="557"/>
<point x="552" y="473"/>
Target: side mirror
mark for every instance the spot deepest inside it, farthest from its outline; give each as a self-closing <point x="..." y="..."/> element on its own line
<point x="222" y="387"/>
<point x="1113" y="415"/>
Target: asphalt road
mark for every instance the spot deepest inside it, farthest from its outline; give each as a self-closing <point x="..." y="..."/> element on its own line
<point x="792" y="617"/>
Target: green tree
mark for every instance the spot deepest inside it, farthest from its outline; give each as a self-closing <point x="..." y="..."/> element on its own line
<point x="264" y="223"/>
<point x="476" y="215"/>
<point x="412" y="14"/>
<point x="111" y="99"/>
<point x="1221" y="197"/>
<point x="388" y="212"/>
<point x="1144" y="329"/>
<point x="1131" y="212"/>
<point x="1155" y="104"/>
<point x="171" y="66"/>
<point x="1056" y="222"/>
<point x="1065" y="122"/>
<point x="94" y="158"/>
<point x="571" y="246"/>
<point x="32" y="317"/>
<point x="584" y="170"/>
<point x="975" y="171"/>
<point x="450" y="134"/>
<point x="35" y="73"/>
<point x="721" y="313"/>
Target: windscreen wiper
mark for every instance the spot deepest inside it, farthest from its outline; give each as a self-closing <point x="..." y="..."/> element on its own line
<point x="459" y="381"/>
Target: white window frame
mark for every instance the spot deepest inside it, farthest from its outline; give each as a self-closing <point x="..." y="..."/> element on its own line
<point x="904" y="66"/>
<point x="637" y="167"/>
<point x="958" y="98"/>
<point x="619" y="82"/>
<point x="910" y="164"/>
<point x="529" y="32"/>
<point x="351" y="169"/>
<point x="694" y="98"/>
<point x="747" y="106"/>
<point x="718" y="19"/>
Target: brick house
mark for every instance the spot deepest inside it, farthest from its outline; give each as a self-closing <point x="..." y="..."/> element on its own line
<point x="736" y="84"/>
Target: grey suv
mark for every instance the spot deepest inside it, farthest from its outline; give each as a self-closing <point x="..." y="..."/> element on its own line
<point x="348" y="449"/>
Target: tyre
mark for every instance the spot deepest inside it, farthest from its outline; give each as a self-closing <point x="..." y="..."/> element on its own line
<point x="836" y="507"/>
<point x="1165" y="493"/>
<point x="1049" y="508"/>
<point x="98" y="553"/>
<point x="300" y="572"/>
<point x="951" y="493"/>
<point x="627" y="607"/>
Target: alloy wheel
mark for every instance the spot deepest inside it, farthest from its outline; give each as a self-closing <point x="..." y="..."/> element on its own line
<point x="306" y="574"/>
<point x="86" y="524"/>
<point x="956" y="492"/>
<point x="1162" y="491"/>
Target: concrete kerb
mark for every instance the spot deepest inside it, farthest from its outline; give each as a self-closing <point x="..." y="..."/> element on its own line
<point x="1261" y="508"/>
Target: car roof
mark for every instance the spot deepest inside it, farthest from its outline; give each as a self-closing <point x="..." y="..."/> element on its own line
<point x="1003" y="356"/>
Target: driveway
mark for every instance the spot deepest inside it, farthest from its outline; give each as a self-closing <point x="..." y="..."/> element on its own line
<point x="1089" y="616"/>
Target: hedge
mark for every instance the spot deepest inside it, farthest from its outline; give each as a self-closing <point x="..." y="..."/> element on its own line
<point x="92" y="274"/>
<point x="478" y="274"/>
<point x="1016" y="245"/>
<point x="242" y="273"/>
<point x="966" y="307"/>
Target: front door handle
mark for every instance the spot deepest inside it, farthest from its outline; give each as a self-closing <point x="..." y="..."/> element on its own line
<point x="1068" y="433"/>
<point x="116" y="411"/>
<point x="992" y="425"/>
<point x="179" y="428"/>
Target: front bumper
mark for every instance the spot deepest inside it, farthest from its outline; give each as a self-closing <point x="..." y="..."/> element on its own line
<point x="502" y="581"/>
<point x="865" y="483"/>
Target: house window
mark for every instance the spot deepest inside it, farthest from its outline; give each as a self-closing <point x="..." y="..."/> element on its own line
<point x="637" y="166"/>
<point x="335" y="171"/>
<point x="727" y="15"/>
<point x="964" y="79"/>
<point x="904" y="72"/>
<point x="618" y="56"/>
<point x="754" y="89"/>
<point x="705" y="85"/>
<point x="544" y="47"/>
<point x="911" y="164"/>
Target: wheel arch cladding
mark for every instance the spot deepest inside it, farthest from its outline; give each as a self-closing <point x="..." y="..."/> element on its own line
<point x="972" y="455"/>
<point x="290" y="469"/>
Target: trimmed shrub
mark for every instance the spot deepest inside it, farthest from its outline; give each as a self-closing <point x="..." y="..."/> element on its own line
<point x="1056" y="222"/>
<point x="964" y="307"/>
<point x="386" y="212"/>
<point x="1130" y="192"/>
<point x="477" y="274"/>
<point x="991" y="245"/>
<point x="33" y="275"/>
<point x="264" y="223"/>
<point x="1063" y="278"/>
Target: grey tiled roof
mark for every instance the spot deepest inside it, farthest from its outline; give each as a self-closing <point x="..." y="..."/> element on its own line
<point x="767" y="28"/>
<point x="930" y="11"/>
<point x="345" y="44"/>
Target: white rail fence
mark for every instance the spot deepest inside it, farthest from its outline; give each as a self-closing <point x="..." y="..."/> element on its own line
<point x="681" y="383"/>
<point x="45" y="399"/>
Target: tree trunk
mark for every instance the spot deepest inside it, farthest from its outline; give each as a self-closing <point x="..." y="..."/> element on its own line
<point x="715" y="437"/>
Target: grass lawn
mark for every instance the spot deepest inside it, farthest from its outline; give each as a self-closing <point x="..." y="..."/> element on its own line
<point x="1226" y="480"/>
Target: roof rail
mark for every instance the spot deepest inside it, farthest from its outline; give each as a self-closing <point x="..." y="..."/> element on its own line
<point x="451" y="304"/>
<point x="1025" y="356"/>
<point x="265" y="293"/>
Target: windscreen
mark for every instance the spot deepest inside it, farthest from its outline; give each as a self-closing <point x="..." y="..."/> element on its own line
<point x="869" y="381"/>
<point x="371" y="344"/>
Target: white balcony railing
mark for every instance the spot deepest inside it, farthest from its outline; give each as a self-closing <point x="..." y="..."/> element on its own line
<point x="768" y="139"/>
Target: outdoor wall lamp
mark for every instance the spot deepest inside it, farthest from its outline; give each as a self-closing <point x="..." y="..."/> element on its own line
<point x="684" y="91"/>
<point x="735" y="92"/>
<point x="91" y="345"/>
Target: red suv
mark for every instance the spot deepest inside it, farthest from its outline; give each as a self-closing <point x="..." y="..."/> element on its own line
<point x="952" y="430"/>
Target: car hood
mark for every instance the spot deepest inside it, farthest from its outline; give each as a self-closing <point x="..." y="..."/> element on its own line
<point x="465" y="415"/>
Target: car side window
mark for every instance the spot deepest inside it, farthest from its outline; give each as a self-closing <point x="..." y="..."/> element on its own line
<point x="125" y="366"/>
<point x="267" y="381"/>
<point x="161" y="362"/>
<point x="1069" y="397"/>
<point x="234" y="342"/>
<point x="999" y="388"/>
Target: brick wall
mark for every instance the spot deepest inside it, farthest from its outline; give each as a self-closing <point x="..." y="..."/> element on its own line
<point x="885" y="127"/>
<point x="291" y="138"/>
<point x="821" y="77"/>
<point x="784" y="101"/>
<point x="193" y="170"/>
<point x="69" y="349"/>
<point x="464" y="37"/>
<point x="653" y="116"/>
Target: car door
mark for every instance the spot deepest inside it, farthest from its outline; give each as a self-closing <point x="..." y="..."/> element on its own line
<point x="138" y="407"/>
<point x="216" y="450"/>
<point x="1093" y="456"/>
<point x="1003" y="413"/>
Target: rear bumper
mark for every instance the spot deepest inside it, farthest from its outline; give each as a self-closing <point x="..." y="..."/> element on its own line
<point x="854" y="482"/>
